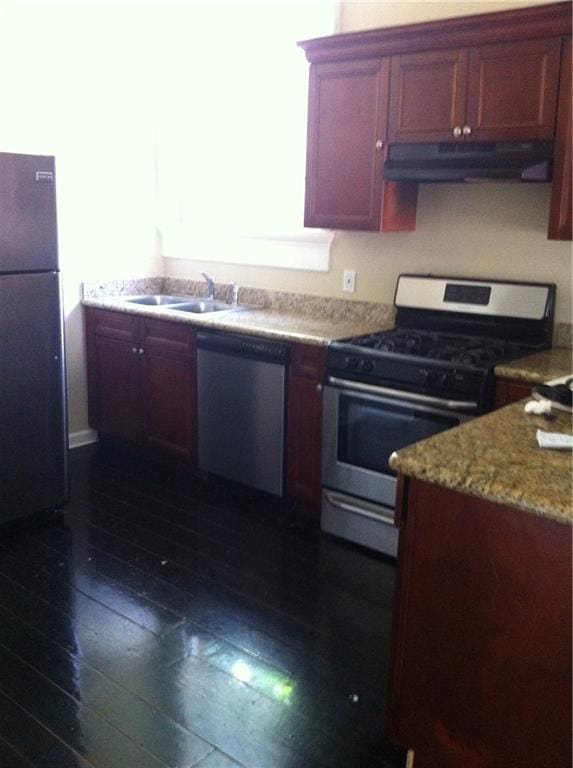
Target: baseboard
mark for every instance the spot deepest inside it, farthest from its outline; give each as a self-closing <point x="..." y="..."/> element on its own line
<point x="83" y="437"/>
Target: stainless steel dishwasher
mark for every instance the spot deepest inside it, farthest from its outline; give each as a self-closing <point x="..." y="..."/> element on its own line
<point x="241" y="403"/>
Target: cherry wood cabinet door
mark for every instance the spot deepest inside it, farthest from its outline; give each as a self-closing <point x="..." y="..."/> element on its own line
<point x="512" y="90"/>
<point x="481" y="659"/>
<point x="117" y="385"/>
<point x="170" y="388"/>
<point x="347" y="121"/>
<point x="112" y="343"/>
<point x="560" y="212"/>
<point x="427" y="96"/>
<point x="304" y="424"/>
<point x="507" y="391"/>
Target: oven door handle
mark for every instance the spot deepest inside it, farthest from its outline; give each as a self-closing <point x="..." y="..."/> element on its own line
<point x="413" y="397"/>
<point x="372" y="511"/>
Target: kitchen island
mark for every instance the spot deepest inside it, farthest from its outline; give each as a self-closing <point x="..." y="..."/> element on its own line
<point x="481" y="660"/>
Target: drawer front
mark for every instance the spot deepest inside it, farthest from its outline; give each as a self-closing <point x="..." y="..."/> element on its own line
<point x="171" y="338"/>
<point x="114" y="325"/>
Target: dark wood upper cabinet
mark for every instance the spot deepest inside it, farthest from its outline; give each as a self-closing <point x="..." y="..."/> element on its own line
<point x="501" y="92"/>
<point x="427" y="95"/>
<point x="492" y="77"/>
<point x="560" y="223"/>
<point x="512" y="90"/>
<point x="348" y="107"/>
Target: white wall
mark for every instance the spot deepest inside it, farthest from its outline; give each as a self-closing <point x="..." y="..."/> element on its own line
<point x="75" y="83"/>
<point x="494" y="230"/>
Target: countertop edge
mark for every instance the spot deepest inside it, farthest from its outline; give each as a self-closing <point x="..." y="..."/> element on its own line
<point x="261" y="321"/>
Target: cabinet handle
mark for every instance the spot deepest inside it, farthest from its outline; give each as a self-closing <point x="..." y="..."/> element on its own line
<point x="379" y="144"/>
<point x="319" y="387"/>
<point x="134" y="350"/>
<point x="467" y="130"/>
<point x="140" y="350"/>
<point x="457" y="131"/>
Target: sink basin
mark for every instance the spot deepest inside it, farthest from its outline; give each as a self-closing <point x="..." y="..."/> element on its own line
<point x="200" y="306"/>
<point x="157" y="300"/>
<point x="197" y="305"/>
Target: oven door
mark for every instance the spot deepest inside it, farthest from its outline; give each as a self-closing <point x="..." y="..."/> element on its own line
<point x="364" y="425"/>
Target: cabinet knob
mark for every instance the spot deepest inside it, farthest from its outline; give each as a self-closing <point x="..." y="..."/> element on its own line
<point x="134" y="350"/>
<point x="457" y="131"/>
<point x="379" y="144"/>
<point x="467" y="130"/>
<point x="140" y="351"/>
<point x="319" y="387"/>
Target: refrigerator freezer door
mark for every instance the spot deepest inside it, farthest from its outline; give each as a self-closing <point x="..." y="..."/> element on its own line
<point x="33" y="424"/>
<point x="28" y="228"/>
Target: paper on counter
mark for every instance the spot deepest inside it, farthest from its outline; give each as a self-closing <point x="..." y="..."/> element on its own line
<point x="554" y="440"/>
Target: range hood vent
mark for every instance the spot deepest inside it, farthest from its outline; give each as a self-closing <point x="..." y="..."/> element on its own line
<point x="525" y="161"/>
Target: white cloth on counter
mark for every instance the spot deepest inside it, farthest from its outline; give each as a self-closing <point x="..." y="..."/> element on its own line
<point x="554" y="440"/>
<point x="538" y="407"/>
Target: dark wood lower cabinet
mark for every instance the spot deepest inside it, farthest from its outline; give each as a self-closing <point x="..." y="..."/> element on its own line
<point x="481" y="659"/>
<point x="508" y="391"/>
<point x="142" y="389"/>
<point x="142" y="381"/>
<point x="118" y="390"/>
<point x="170" y="388"/>
<point x="304" y="428"/>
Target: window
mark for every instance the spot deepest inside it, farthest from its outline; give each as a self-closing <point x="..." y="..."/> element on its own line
<point x="231" y="142"/>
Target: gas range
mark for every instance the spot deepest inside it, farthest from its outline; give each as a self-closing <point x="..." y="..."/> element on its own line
<point x="450" y="334"/>
<point x="432" y="372"/>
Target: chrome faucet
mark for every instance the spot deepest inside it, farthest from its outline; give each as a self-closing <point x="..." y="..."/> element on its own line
<point x="210" y="285"/>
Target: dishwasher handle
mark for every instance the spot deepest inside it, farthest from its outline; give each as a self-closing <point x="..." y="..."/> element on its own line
<point x="244" y="346"/>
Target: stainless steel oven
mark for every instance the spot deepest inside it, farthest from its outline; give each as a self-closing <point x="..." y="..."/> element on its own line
<point x="433" y="370"/>
<point x="363" y="425"/>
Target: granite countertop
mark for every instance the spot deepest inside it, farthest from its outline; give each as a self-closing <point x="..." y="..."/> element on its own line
<point x="496" y="457"/>
<point x="264" y="322"/>
<point x="535" y="369"/>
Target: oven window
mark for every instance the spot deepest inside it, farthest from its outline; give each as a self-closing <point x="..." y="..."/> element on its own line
<point x="368" y="431"/>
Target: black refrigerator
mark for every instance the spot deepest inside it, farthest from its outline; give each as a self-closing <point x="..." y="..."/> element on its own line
<point x="33" y="416"/>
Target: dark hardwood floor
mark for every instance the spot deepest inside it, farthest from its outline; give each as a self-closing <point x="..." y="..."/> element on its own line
<point x="167" y="621"/>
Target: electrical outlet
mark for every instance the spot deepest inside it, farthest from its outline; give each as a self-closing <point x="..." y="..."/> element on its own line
<point x="349" y="280"/>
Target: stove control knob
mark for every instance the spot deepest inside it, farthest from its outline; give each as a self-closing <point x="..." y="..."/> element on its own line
<point x="352" y="362"/>
<point x="367" y="366"/>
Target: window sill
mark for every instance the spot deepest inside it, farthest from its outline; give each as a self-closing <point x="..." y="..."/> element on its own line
<point x="302" y="250"/>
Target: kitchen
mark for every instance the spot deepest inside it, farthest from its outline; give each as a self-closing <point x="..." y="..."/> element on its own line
<point x="450" y="237"/>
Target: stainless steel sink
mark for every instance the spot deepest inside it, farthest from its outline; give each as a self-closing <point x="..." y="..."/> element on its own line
<point x="157" y="300"/>
<point x="197" y="305"/>
<point x="200" y="306"/>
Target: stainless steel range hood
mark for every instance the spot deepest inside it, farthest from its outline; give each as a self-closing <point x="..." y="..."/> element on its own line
<point x="524" y="161"/>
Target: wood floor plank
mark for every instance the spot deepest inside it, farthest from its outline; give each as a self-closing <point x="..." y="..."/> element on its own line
<point x="335" y="704"/>
<point x="282" y="613"/>
<point x="11" y="758"/>
<point x="144" y="725"/>
<point x="76" y="724"/>
<point x="36" y="744"/>
<point x="215" y="719"/>
<point x="200" y="623"/>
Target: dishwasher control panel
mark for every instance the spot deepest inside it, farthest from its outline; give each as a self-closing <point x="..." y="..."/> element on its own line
<point x="245" y="346"/>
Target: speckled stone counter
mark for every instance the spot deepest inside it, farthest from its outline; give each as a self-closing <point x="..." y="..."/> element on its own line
<point x="265" y="322"/>
<point x="535" y="369"/>
<point x="496" y="457"/>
